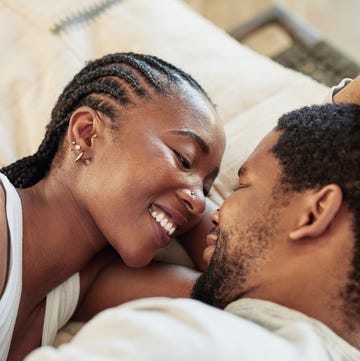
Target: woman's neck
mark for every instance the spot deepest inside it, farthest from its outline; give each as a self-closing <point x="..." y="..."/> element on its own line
<point x="59" y="238"/>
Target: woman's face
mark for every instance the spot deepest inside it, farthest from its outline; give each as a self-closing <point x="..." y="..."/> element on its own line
<point x="150" y="177"/>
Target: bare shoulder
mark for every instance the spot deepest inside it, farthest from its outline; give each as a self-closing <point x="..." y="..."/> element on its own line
<point x="4" y="246"/>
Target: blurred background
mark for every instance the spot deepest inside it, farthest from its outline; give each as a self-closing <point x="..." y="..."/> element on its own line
<point x="320" y="38"/>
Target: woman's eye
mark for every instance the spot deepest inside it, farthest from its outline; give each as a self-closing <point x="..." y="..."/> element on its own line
<point x="206" y="192"/>
<point x="184" y="161"/>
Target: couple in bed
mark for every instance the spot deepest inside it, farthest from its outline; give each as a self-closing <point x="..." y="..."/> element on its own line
<point x="132" y="149"/>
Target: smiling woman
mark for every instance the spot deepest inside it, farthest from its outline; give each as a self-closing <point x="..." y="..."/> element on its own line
<point x="132" y="149"/>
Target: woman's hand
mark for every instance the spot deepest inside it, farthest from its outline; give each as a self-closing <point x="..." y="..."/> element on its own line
<point x="350" y="93"/>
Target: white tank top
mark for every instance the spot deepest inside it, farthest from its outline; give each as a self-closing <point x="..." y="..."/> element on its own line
<point x="9" y="302"/>
<point x="60" y="302"/>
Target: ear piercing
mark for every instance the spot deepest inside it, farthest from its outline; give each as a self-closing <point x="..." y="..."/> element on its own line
<point x="79" y="157"/>
<point x="193" y="193"/>
<point x="78" y="148"/>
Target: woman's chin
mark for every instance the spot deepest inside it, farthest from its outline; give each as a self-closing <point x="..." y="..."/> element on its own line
<point x="137" y="260"/>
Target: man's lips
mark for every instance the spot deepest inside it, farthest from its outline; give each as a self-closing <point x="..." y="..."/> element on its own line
<point x="212" y="237"/>
<point x="211" y="241"/>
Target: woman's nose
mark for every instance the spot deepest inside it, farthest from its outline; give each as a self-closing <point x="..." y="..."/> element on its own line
<point x="194" y="200"/>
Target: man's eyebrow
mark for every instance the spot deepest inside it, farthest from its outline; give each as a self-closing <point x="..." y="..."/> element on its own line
<point x="242" y="170"/>
<point x="189" y="133"/>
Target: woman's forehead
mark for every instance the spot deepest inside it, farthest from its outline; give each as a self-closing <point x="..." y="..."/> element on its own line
<point x="180" y="108"/>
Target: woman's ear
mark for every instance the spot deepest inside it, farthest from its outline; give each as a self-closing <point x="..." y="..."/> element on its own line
<point x="82" y="126"/>
<point x="323" y="207"/>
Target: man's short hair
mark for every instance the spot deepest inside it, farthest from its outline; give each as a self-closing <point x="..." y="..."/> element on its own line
<point x="320" y="145"/>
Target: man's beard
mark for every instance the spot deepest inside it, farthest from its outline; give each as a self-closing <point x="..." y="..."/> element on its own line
<point x="210" y="285"/>
<point x="225" y="278"/>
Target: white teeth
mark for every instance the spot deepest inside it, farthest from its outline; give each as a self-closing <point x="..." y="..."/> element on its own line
<point x="162" y="219"/>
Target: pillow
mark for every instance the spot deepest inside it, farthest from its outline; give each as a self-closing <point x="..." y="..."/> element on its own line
<point x="47" y="43"/>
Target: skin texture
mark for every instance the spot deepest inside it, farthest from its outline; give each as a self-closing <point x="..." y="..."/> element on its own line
<point x="263" y="237"/>
<point x="152" y="160"/>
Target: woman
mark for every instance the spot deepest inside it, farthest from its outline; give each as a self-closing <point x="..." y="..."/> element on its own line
<point x="132" y="149"/>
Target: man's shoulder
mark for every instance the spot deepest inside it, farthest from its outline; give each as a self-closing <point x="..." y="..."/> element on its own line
<point x="295" y="328"/>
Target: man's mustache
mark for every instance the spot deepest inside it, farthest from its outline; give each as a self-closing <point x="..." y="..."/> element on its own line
<point x="215" y="230"/>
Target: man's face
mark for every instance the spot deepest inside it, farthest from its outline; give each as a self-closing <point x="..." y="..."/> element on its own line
<point x="246" y="250"/>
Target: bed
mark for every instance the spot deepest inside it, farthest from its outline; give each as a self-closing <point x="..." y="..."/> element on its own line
<point x="45" y="43"/>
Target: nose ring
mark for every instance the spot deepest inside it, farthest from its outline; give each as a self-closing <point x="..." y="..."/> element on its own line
<point x="193" y="193"/>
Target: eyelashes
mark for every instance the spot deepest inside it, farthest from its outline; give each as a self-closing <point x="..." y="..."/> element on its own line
<point x="240" y="186"/>
<point x="186" y="164"/>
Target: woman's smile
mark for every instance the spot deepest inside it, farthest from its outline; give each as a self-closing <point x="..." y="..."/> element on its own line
<point x="163" y="219"/>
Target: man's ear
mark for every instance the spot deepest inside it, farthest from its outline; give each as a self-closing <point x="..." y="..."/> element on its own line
<point x="82" y="126"/>
<point x="323" y="207"/>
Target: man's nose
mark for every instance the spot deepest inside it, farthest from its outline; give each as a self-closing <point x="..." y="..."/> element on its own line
<point x="194" y="200"/>
<point x="214" y="216"/>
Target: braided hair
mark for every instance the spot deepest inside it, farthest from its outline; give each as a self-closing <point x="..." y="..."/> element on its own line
<point x="105" y="84"/>
<point x="320" y="145"/>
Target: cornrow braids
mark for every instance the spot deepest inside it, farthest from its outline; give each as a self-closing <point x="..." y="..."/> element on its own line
<point x="320" y="145"/>
<point x="105" y="84"/>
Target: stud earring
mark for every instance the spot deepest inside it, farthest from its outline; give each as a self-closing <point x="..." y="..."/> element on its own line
<point x="193" y="193"/>
<point x="77" y="147"/>
<point x="71" y="148"/>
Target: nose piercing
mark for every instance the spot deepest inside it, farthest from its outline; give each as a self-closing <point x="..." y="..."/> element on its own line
<point x="193" y="193"/>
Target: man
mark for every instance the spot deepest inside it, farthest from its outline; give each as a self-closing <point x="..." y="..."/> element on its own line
<point x="290" y="233"/>
<point x="283" y="260"/>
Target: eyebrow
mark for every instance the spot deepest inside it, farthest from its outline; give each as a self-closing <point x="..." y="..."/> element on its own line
<point x="242" y="170"/>
<point x="189" y="133"/>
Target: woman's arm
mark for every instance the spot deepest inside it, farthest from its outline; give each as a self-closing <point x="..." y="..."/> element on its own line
<point x="117" y="283"/>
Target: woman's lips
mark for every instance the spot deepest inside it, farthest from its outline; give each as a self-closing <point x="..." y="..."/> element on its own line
<point x="163" y="219"/>
<point x="164" y="225"/>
